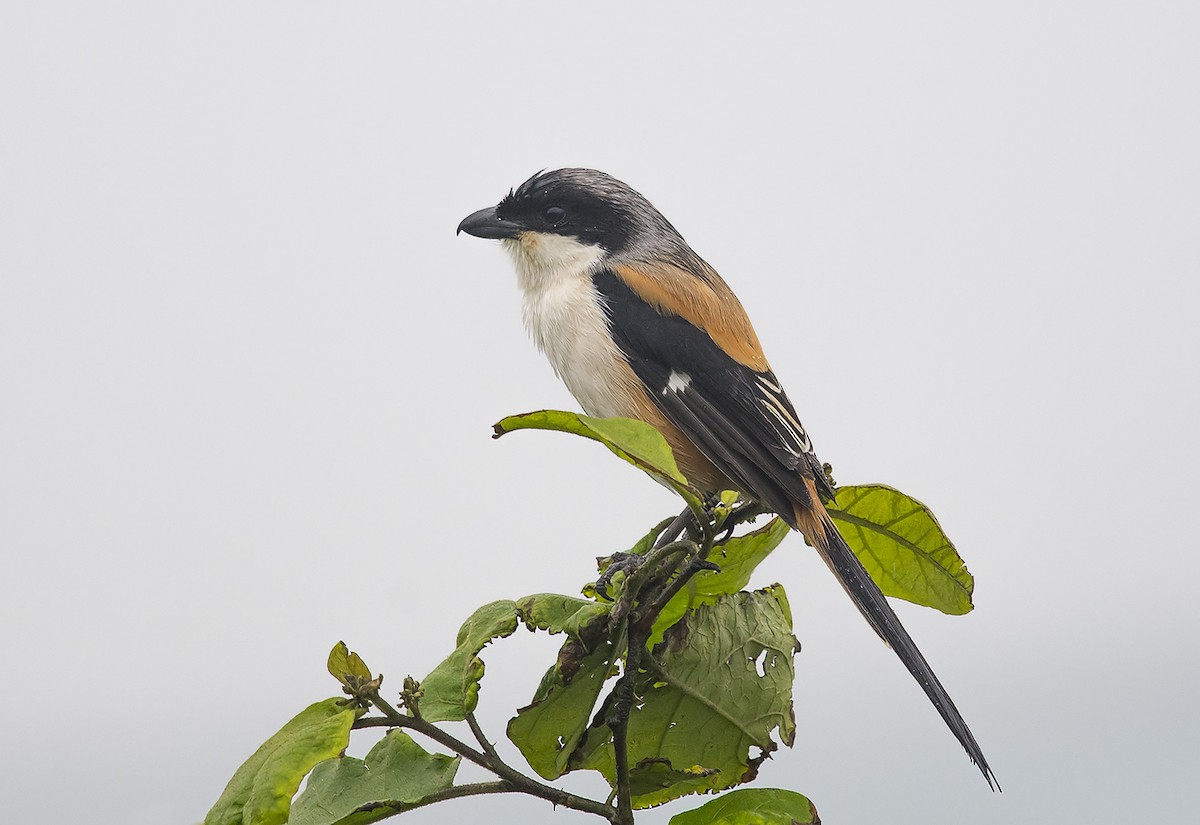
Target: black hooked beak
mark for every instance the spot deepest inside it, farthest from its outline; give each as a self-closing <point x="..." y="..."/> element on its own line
<point x="487" y="224"/>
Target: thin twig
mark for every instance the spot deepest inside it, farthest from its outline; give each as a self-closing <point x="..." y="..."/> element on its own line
<point x="459" y="791"/>
<point x="676" y="584"/>
<point x="403" y="720"/>
<point x="675" y="528"/>
<point x="744" y="513"/>
<point x="487" y="746"/>
<point x="636" y="581"/>
<point x="671" y="566"/>
<point x="520" y="781"/>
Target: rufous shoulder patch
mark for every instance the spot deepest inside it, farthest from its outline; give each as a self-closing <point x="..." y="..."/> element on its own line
<point x="707" y="304"/>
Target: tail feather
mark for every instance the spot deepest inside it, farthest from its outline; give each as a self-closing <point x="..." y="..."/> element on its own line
<point x="870" y="601"/>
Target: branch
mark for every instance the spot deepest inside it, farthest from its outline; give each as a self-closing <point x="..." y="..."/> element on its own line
<point x="618" y="720"/>
<point x="679" y="553"/>
<point x="519" y="781"/>
<point x="698" y="562"/>
<point x="675" y="528"/>
<point x="459" y="791"/>
<point x="645" y="593"/>
<point x="487" y="746"/>
<point x="746" y="512"/>
<point x="650" y="566"/>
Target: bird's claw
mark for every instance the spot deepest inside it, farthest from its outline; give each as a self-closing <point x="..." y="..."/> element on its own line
<point x="626" y="563"/>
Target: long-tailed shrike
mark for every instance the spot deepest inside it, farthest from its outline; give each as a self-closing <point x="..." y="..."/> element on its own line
<point x="638" y="325"/>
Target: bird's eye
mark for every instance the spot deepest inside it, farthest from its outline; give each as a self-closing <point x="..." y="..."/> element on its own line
<point x="554" y="215"/>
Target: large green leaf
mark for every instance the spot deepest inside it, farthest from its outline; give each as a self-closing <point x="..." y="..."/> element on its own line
<point x="451" y="691"/>
<point x="723" y="684"/>
<point x="261" y="791"/>
<point x="397" y="774"/>
<point x="752" y="806"/>
<point x="549" y="729"/>
<point x="737" y="559"/>
<point x="903" y="548"/>
<point x="635" y="441"/>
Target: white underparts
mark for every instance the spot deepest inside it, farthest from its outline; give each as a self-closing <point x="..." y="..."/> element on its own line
<point x="565" y="316"/>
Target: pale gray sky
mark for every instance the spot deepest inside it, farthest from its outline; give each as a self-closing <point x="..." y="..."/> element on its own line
<point x="248" y="372"/>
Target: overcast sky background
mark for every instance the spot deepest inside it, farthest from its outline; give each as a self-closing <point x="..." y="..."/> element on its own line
<point x="248" y="373"/>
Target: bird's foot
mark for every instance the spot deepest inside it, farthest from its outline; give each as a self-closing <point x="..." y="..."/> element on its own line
<point x="627" y="563"/>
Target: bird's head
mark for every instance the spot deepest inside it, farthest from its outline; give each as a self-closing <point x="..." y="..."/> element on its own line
<point x="575" y="214"/>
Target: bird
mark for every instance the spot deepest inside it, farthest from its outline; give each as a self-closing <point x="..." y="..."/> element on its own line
<point x="638" y="325"/>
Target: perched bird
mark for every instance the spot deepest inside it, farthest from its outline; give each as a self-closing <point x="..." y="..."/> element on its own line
<point x="638" y="325"/>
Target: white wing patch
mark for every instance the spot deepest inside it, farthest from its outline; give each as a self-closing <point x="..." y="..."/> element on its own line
<point x="677" y="382"/>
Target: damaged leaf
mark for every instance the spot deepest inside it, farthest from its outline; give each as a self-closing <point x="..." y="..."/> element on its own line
<point x="549" y="728"/>
<point x="737" y="559"/>
<point x="451" y="690"/>
<point x="564" y="614"/>
<point x="722" y="685"/>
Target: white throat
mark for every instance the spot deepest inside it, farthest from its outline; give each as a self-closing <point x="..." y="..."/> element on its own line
<point x="566" y="318"/>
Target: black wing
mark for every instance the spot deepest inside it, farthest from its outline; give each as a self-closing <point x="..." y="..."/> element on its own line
<point x="739" y="418"/>
<point x="744" y="424"/>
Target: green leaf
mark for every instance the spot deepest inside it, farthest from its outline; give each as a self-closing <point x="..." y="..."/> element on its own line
<point x="752" y="806"/>
<point x="723" y="685"/>
<point x="396" y="775"/>
<point x="903" y="548"/>
<point x="549" y="729"/>
<point x="346" y="666"/>
<point x="635" y="441"/>
<point x="737" y="559"/>
<point x="654" y="775"/>
<point x="261" y="791"/>
<point x="578" y="618"/>
<point x="451" y="691"/>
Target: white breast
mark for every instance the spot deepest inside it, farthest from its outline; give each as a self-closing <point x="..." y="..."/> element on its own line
<point x="565" y="316"/>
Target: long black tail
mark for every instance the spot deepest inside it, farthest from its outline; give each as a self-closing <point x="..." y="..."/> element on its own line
<point x="871" y="602"/>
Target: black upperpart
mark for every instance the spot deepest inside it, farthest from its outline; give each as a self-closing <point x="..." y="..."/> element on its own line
<point x="569" y="202"/>
<point x="591" y="206"/>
